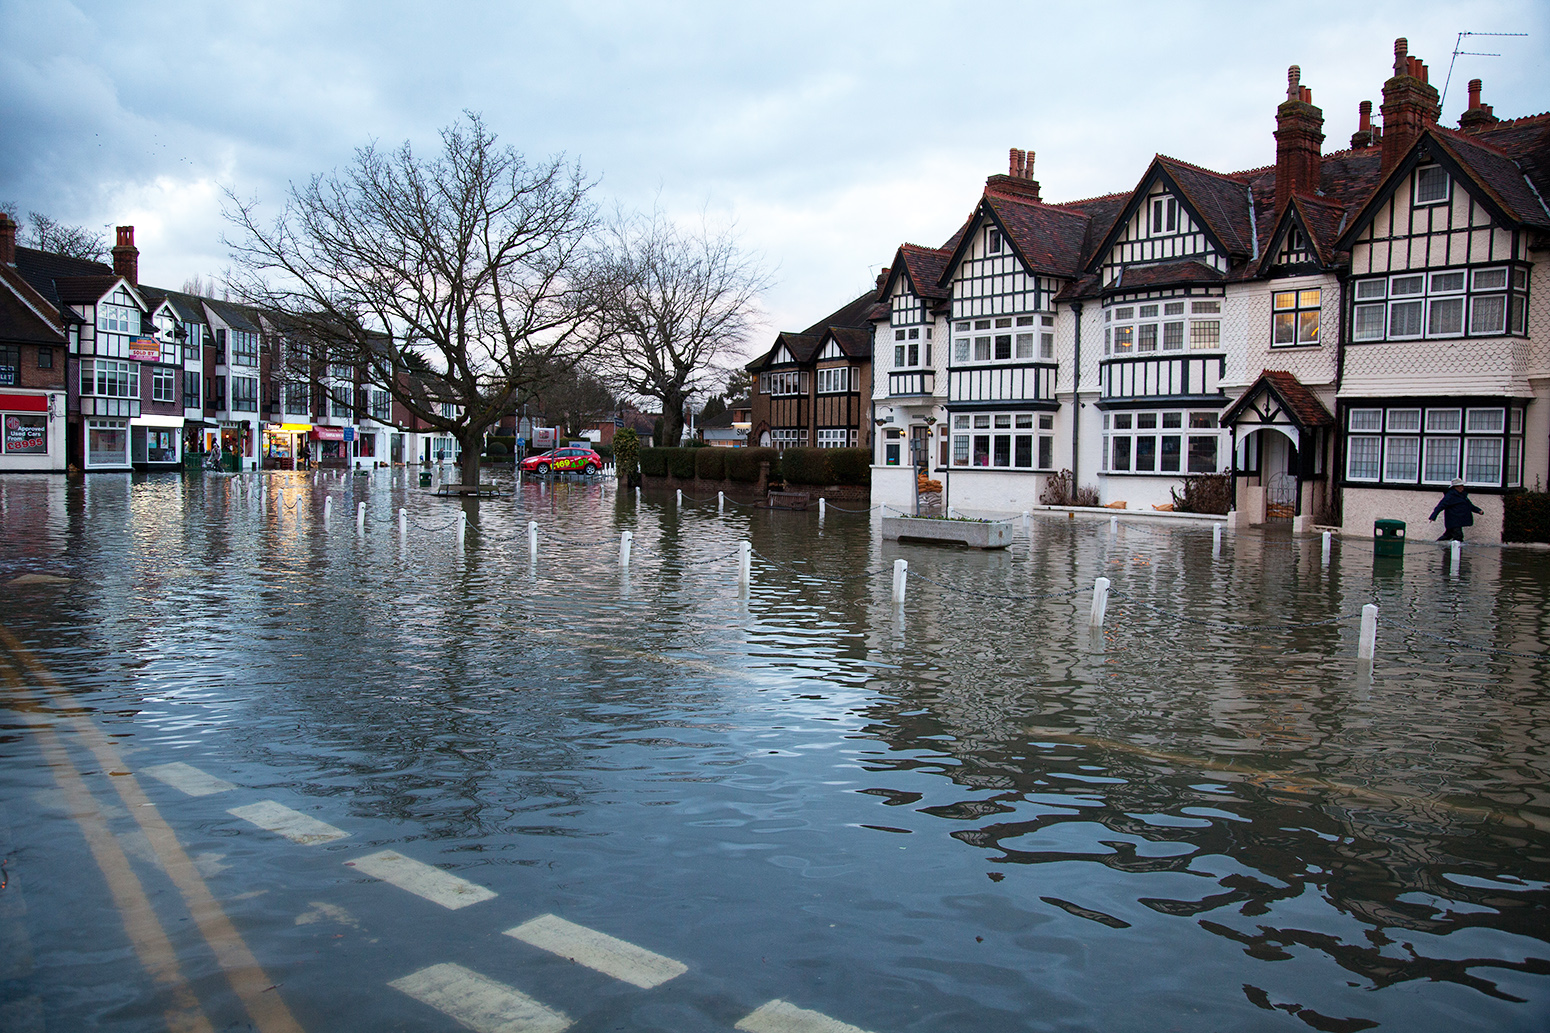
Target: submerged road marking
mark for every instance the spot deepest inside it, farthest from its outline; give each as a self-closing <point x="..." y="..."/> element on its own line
<point x="782" y="1017"/>
<point x="188" y="780"/>
<point x="243" y="973"/>
<point x="478" y="1002"/>
<point x="293" y="825"/>
<point x="599" y="951"/>
<point x="146" y="935"/>
<point x="422" y="880"/>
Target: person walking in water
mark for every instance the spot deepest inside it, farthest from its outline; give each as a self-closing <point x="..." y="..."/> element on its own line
<point x="1458" y="512"/>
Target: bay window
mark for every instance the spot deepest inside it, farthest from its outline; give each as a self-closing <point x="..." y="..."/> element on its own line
<point x="1442" y="303"/>
<point x="1161" y="442"/>
<point x="1431" y="444"/>
<point x="1008" y="440"/>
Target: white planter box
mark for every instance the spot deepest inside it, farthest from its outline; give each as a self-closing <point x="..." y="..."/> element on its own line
<point x="976" y="534"/>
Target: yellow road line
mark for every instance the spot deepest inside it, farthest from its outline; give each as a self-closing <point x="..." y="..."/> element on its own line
<point x="247" y="979"/>
<point x="146" y="934"/>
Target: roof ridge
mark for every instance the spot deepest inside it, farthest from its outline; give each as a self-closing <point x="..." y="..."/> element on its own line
<point x="1159" y="156"/>
<point x="1460" y="135"/>
<point x="1545" y="115"/>
<point x="922" y="247"/>
<point x="1037" y="204"/>
<point x="1089" y="200"/>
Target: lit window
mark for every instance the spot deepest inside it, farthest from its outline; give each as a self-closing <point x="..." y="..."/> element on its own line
<point x="1296" y="317"/>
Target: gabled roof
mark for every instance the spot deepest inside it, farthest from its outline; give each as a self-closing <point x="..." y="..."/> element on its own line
<point x="238" y="317"/>
<point x="88" y="290"/>
<point x="854" y="342"/>
<point x="856" y="314"/>
<point x="1303" y="405"/>
<point x="1488" y="173"/>
<point x="1221" y="205"/>
<point x="25" y="316"/>
<point x="42" y="268"/>
<point x="188" y="308"/>
<point x="922" y="267"/>
<point x="1046" y="238"/>
<point x="1320" y="222"/>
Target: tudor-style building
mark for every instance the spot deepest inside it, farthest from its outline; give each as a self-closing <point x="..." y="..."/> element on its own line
<point x="814" y="388"/>
<point x="33" y="359"/>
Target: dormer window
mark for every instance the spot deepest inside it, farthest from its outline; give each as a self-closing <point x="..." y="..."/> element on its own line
<point x="993" y="242"/>
<point x="1431" y="185"/>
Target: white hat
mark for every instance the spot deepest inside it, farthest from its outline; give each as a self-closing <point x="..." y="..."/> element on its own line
<point x="1458" y="482"/>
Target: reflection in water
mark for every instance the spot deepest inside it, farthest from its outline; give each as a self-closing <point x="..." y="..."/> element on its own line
<point x="967" y="814"/>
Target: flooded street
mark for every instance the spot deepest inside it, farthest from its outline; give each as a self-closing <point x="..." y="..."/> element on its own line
<point x="967" y="813"/>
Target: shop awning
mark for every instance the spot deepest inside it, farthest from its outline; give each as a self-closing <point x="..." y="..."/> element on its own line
<point x="327" y="434"/>
<point x="24" y="403"/>
<point x="288" y="428"/>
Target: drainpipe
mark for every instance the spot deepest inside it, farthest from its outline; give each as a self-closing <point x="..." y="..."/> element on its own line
<point x="1335" y="465"/>
<point x="1076" y="397"/>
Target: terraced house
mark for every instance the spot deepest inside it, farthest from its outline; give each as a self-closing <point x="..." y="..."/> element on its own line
<point x="1339" y="333"/>
<point x="812" y="389"/>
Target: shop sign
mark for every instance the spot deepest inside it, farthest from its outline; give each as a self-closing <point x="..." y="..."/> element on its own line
<point x="26" y="435"/>
<point x="349" y="434"/>
<point x="24" y="403"/>
<point x="144" y="349"/>
<point x="328" y="434"/>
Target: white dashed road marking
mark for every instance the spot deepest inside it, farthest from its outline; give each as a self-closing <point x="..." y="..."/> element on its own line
<point x="598" y="951"/>
<point x="422" y="880"/>
<point x="478" y="1002"/>
<point x="188" y="779"/>
<point x="781" y="1017"/>
<point x="293" y="825"/>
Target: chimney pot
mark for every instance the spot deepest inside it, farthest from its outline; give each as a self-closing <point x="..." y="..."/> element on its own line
<point x="7" y="240"/>
<point x="1474" y="92"/>
<point x="1401" y="49"/>
<point x="1364" y="114"/>
<point x="1293" y="77"/>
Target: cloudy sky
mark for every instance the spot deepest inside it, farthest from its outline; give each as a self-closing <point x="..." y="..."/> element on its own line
<point x="828" y="132"/>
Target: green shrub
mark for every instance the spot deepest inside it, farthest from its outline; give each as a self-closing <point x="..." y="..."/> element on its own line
<point x="653" y="461"/>
<point x="626" y="451"/>
<point x="606" y="451"/>
<point x="1204" y="493"/>
<point x="496" y="449"/>
<point x="680" y="463"/>
<point x="805" y="466"/>
<point x="1526" y="517"/>
<point x="710" y="464"/>
<point x="850" y="465"/>
<point x="742" y="464"/>
<point x="510" y="442"/>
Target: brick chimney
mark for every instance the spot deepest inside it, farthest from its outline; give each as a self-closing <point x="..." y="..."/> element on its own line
<point x="7" y="240"/>
<point x="1409" y="106"/>
<point x="1019" y="178"/>
<point x="1366" y="133"/>
<point x="126" y="257"/>
<point x="1479" y="115"/>
<point x="1299" y="141"/>
<point x="882" y="277"/>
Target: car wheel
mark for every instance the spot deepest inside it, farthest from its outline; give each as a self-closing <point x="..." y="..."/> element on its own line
<point x="543" y="467"/>
<point x="591" y="468"/>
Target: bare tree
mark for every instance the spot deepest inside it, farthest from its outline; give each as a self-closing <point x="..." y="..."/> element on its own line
<point x="574" y="397"/>
<point x="51" y="235"/>
<point x="452" y="282"/>
<point x="677" y="306"/>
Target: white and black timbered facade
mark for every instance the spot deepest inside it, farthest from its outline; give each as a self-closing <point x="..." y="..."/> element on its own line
<point x="1001" y="364"/>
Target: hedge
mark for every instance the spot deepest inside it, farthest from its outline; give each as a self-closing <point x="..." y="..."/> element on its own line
<point x="743" y="464"/>
<point x="653" y="462"/>
<point x="710" y="463"/>
<point x="680" y="463"/>
<point x="1526" y="517"/>
<point x="826" y="465"/>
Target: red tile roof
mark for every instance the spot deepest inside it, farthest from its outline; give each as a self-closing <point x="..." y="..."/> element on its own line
<point x="1303" y="404"/>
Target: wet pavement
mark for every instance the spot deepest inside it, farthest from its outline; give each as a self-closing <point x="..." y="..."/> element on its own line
<point x="259" y="772"/>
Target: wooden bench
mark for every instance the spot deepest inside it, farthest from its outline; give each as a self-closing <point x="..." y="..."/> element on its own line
<point x="458" y="490"/>
<point x="788" y="500"/>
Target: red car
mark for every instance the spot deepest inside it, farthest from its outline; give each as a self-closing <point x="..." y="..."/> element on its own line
<point x="578" y="460"/>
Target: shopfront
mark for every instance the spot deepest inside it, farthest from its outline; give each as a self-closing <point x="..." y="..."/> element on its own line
<point x="286" y="446"/>
<point x="107" y="444"/>
<point x="33" y="439"/>
<point x="155" y="441"/>
<point x="333" y="445"/>
<point x="237" y="440"/>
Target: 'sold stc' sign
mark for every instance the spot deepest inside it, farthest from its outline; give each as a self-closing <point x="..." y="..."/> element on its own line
<point x="144" y="349"/>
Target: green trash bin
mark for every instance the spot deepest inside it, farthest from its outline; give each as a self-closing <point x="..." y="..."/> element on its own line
<point x="425" y="478"/>
<point x="1388" y="538"/>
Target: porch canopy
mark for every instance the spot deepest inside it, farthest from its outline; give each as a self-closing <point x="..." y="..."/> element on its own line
<point x="1279" y="402"/>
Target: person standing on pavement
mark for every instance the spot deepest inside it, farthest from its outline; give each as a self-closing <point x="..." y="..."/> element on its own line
<point x="1458" y="512"/>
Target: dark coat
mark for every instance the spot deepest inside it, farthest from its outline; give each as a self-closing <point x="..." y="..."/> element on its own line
<point x="1456" y="509"/>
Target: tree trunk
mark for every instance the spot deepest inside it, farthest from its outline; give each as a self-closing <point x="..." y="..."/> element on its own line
<point x="672" y="420"/>
<point x="469" y="467"/>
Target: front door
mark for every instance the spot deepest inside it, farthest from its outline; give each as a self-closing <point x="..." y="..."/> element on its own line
<point x="920" y="448"/>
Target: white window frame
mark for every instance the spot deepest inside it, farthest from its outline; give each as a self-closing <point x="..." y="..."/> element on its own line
<point x="834" y="380"/>
<point x="1424" y="173"/>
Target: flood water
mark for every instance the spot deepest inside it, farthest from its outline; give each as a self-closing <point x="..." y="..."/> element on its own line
<point x="967" y="813"/>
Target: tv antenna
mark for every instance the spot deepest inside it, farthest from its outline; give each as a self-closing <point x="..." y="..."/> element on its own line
<point x="1459" y="52"/>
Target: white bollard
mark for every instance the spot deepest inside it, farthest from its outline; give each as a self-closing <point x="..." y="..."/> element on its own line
<point x="1114" y="525"/>
<point x="279" y="498"/>
<point x="823" y="508"/>
<point x="328" y="509"/>
<point x="744" y="565"/>
<point x="403" y="521"/>
<point x="360" y="516"/>
<point x="1100" y="601"/>
<point x="721" y="503"/>
<point x="1216" y="539"/>
<point x="1369" y="637"/>
<point x="678" y="497"/>
<point x="1324" y="550"/>
<point x="236" y="487"/>
<point x="637" y="493"/>
<point x="1027" y="521"/>
<point x="901" y="574"/>
<point x="624" y="548"/>
<point x="532" y="541"/>
<point x="1458" y="554"/>
<point x="462" y="525"/>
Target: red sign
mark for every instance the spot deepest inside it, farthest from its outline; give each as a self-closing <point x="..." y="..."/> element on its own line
<point x="24" y="403"/>
<point x="144" y="350"/>
<point x="327" y="434"/>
